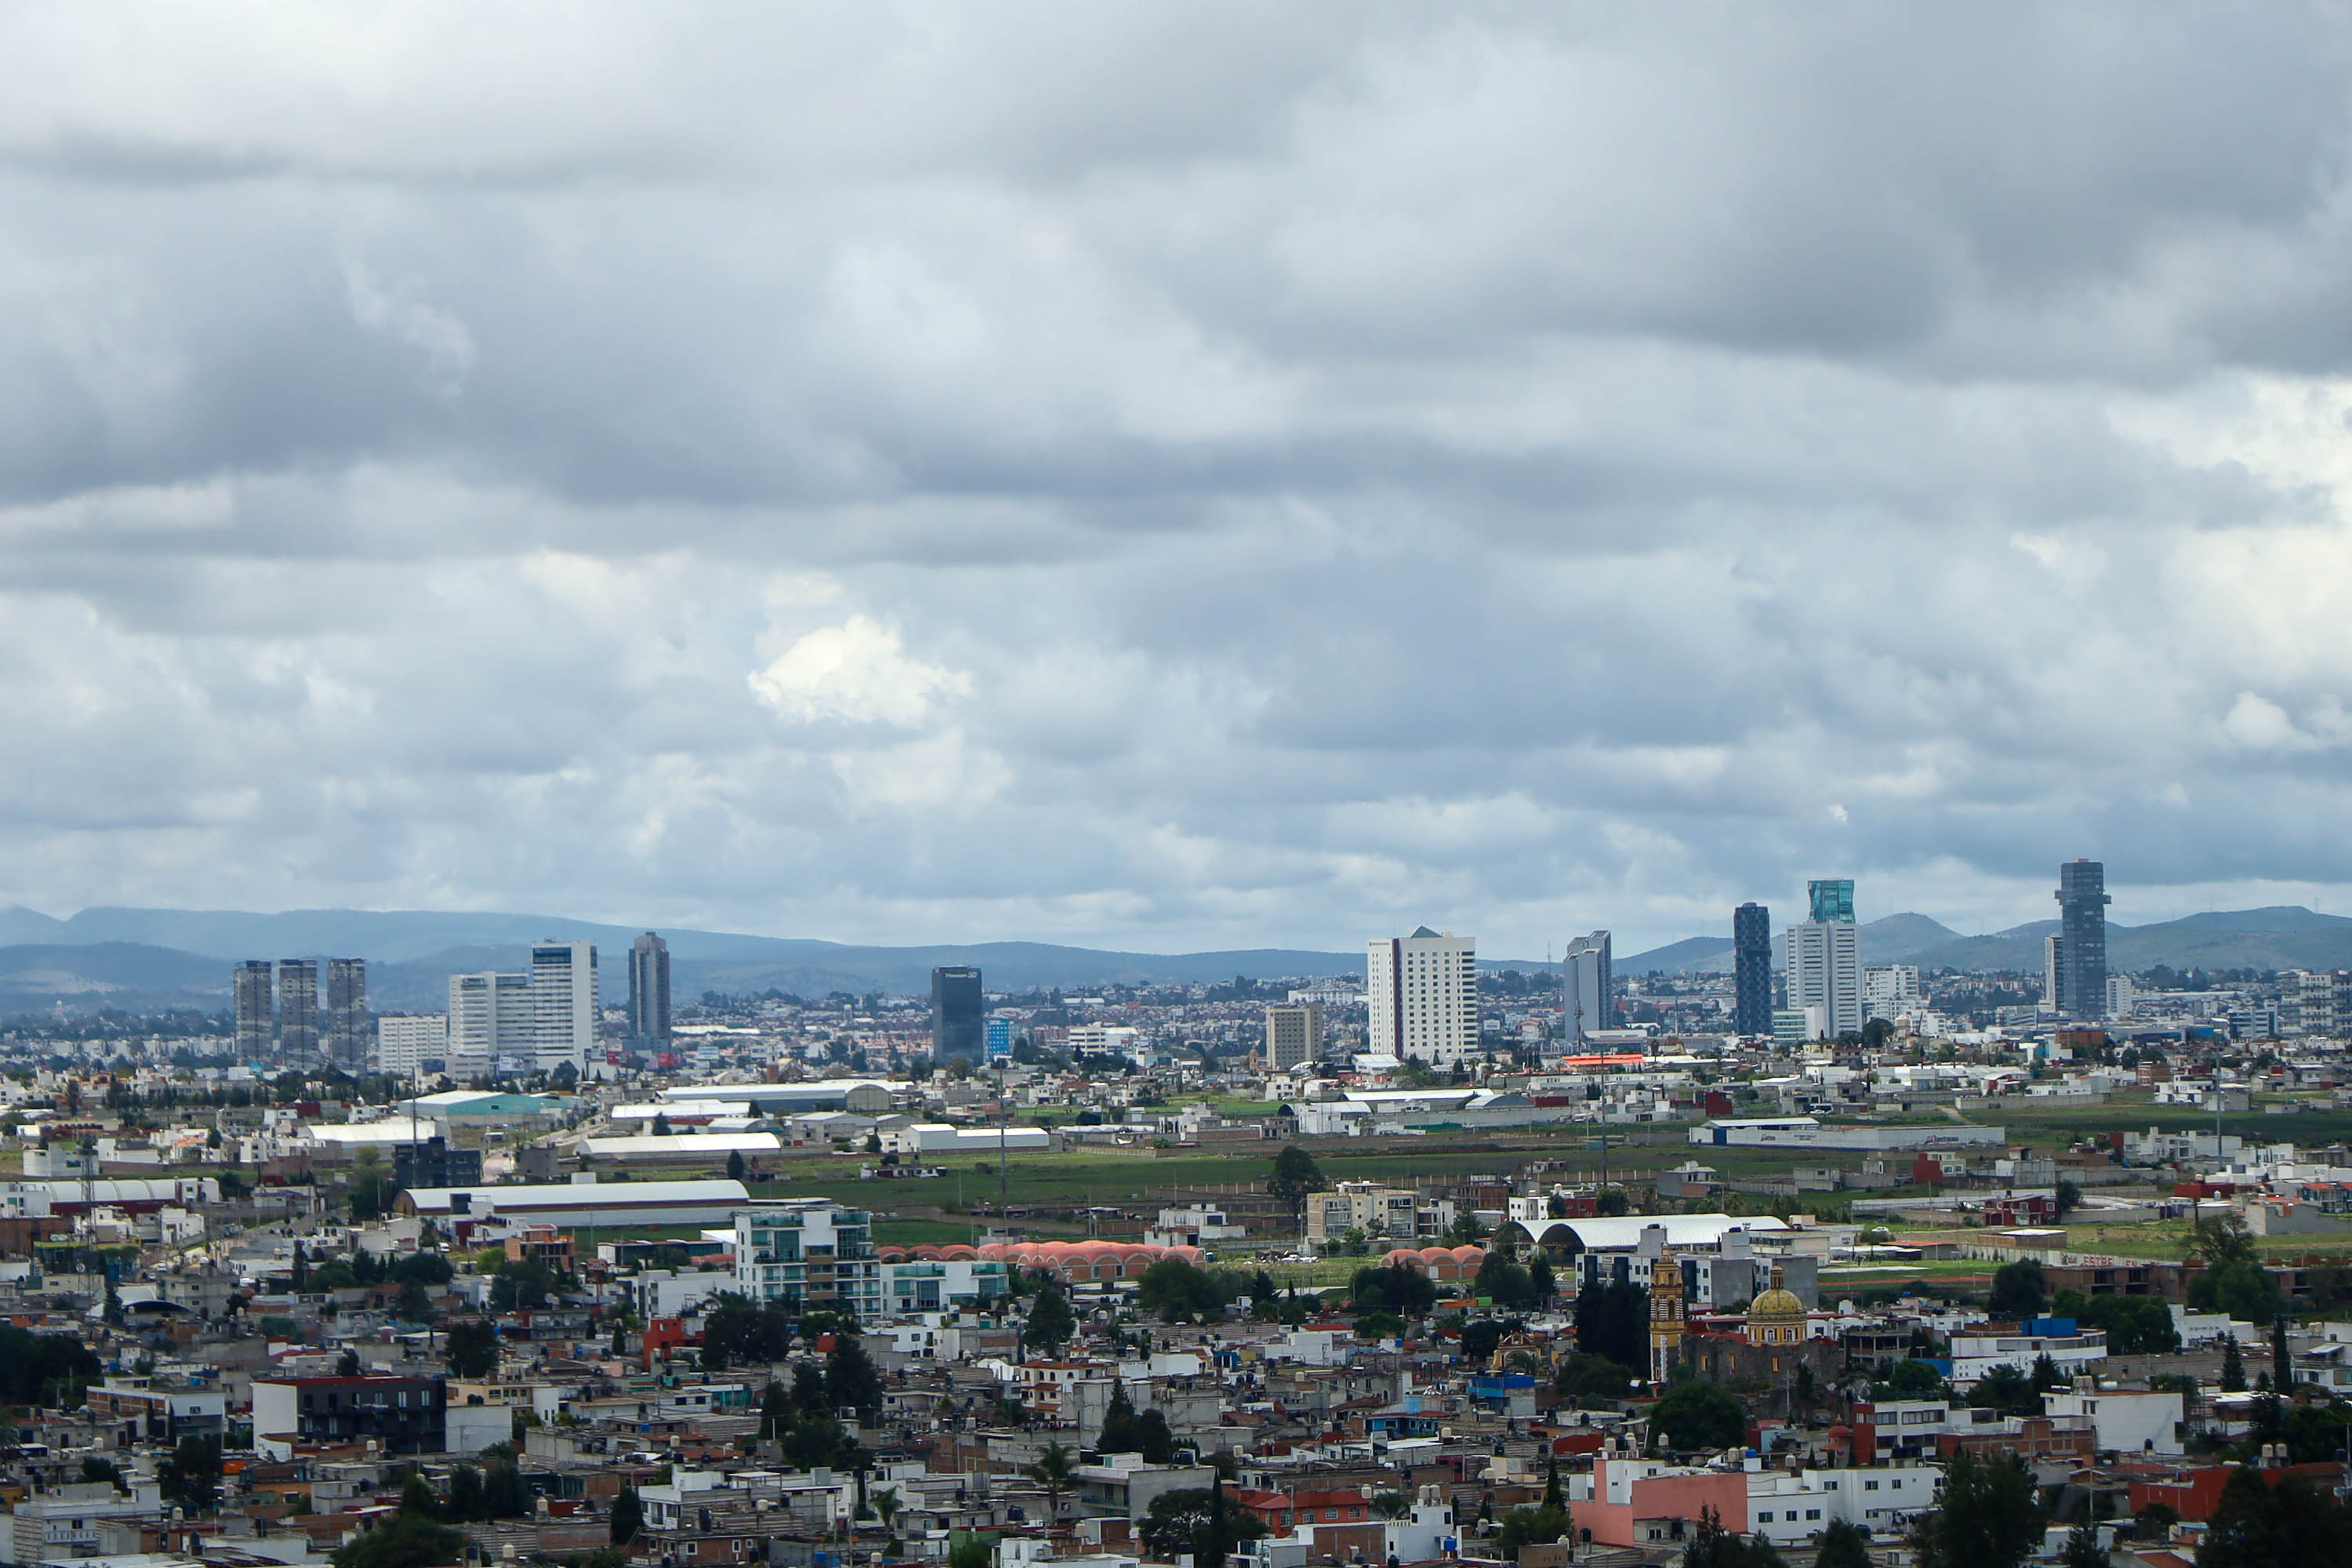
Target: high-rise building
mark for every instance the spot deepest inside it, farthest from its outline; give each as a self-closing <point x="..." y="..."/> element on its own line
<point x="413" y="1046"/>
<point x="492" y="1025"/>
<point x="2053" y="970"/>
<point x="1823" y="957"/>
<point x="1586" y="1000"/>
<point x="562" y="1004"/>
<point x="1752" y="970"/>
<point x="298" y="1013"/>
<point x="347" y="1014"/>
<point x="1294" y="1035"/>
<point x="1421" y="993"/>
<point x="958" y="1005"/>
<point x="2083" y="917"/>
<point x="996" y="1038"/>
<point x="649" y="989"/>
<point x="256" y="1010"/>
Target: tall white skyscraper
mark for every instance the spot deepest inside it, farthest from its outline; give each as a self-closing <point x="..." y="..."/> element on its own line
<point x="1823" y="957"/>
<point x="1585" y="988"/>
<point x="563" y="1004"/>
<point x="1422" y="994"/>
<point x="492" y="1025"/>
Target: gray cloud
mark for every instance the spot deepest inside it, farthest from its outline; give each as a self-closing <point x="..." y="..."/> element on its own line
<point x="1256" y="476"/>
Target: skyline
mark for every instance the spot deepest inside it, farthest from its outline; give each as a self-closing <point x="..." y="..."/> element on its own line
<point x="1271" y="482"/>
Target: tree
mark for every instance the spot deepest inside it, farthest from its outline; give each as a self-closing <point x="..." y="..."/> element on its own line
<point x="1050" y="1323"/>
<point x="2070" y="1196"/>
<point x="472" y="1347"/>
<point x="2233" y="1367"/>
<point x="1842" y="1545"/>
<point x="1539" y="1275"/>
<point x="1481" y="1335"/>
<point x="1712" y="1546"/>
<point x="98" y="1470"/>
<point x="2281" y="1522"/>
<point x="1613" y="1320"/>
<point x="1052" y="1471"/>
<point x="191" y="1477"/>
<point x="2017" y="1290"/>
<point x="735" y="1166"/>
<point x="504" y="1493"/>
<point x="1392" y="1288"/>
<point x="466" y="1499"/>
<point x="1988" y="1516"/>
<point x="2005" y="1388"/>
<point x="2083" y="1548"/>
<point x="1696" y="1413"/>
<point x="1582" y="1377"/>
<point x="850" y="1379"/>
<point x="2245" y="1291"/>
<point x="1531" y="1527"/>
<point x="2134" y="1325"/>
<point x="1504" y="1282"/>
<point x="1178" y="1292"/>
<point x="628" y="1515"/>
<point x="408" y="1541"/>
<point x="1118" y="1427"/>
<point x="2282" y="1358"/>
<point x="1197" y="1520"/>
<point x="1295" y="1175"/>
<point x="348" y="1363"/>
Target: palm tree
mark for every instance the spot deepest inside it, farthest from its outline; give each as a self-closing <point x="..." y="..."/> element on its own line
<point x="1051" y="1470"/>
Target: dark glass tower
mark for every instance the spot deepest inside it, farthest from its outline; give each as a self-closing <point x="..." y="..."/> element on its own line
<point x="347" y="1014"/>
<point x="298" y="1012"/>
<point x="2083" y="939"/>
<point x="256" y="1010"/>
<point x="649" y="988"/>
<point x="1752" y="970"/>
<point x="958" y="1009"/>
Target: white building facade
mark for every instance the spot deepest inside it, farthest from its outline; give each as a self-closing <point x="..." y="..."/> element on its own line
<point x="413" y="1044"/>
<point x="1825" y="964"/>
<point x="1421" y="995"/>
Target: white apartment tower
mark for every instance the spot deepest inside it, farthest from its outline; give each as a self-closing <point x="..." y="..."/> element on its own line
<point x="413" y="1046"/>
<point x="1422" y="992"/>
<point x="1823" y="957"/>
<point x="1586" y="989"/>
<point x="563" y="1004"/>
<point x="491" y="1025"/>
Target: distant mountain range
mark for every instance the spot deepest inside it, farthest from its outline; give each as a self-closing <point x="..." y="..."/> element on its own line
<point x="181" y="958"/>
<point x="2281" y="937"/>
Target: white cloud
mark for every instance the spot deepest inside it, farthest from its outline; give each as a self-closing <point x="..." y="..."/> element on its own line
<point x="856" y="672"/>
<point x="1172" y="483"/>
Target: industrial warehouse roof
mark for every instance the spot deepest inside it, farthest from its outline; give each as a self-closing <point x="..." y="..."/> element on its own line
<point x="1624" y="1231"/>
<point x="718" y="1145"/>
<point x="478" y="1102"/>
<point x="391" y="1130"/>
<point x="807" y="1088"/>
<point x="622" y="1196"/>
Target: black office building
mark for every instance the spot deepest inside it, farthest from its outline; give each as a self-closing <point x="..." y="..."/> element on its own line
<point x="958" y="1009"/>
<point x="436" y="1162"/>
<point x="1752" y="970"/>
<point x="2083" y="939"/>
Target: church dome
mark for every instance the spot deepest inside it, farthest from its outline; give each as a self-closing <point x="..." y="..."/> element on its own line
<point x="1776" y="1303"/>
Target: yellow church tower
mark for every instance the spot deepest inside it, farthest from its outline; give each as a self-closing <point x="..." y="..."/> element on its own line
<point x="1666" y="1316"/>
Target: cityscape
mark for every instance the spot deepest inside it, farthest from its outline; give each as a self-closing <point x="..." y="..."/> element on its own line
<point x="1095" y="786"/>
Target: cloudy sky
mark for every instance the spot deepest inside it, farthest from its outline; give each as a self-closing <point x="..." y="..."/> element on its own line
<point x="1172" y="477"/>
